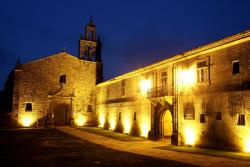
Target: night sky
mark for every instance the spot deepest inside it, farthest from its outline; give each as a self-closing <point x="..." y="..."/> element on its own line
<point x="134" y="33"/>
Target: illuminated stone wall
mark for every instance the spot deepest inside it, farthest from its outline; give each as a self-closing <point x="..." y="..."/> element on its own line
<point x="111" y="101"/>
<point x="219" y="94"/>
<point x="37" y="82"/>
<point x="127" y="113"/>
<point x="198" y="88"/>
<point x="224" y="92"/>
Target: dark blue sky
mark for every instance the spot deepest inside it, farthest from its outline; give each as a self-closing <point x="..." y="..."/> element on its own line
<point x="134" y="33"/>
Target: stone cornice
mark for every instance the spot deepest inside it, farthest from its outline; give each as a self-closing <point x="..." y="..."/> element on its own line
<point x="220" y="44"/>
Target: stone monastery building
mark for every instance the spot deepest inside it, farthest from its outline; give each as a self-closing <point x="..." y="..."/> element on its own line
<point x="200" y="97"/>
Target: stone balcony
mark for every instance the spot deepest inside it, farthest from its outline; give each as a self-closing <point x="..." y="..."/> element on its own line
<point x="158" y="92"/>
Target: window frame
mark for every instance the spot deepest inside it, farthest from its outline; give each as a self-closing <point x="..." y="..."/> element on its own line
<point x="164" y="79"/>
<point x="202" y="70"/>
<point x="218" y="116"/>
<point x="241" y="121"/>
<point x="123" y="87"/>
<point x="202" y="118"/>
<point x="89" y="108"/>
<point x="63" y="79"/>
<point x="30" y="109"/>
<point x="238" y="67"/>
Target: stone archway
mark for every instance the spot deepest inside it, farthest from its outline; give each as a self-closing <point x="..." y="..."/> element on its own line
<point x="62" y="114"/>
<point x="166" y="125"/>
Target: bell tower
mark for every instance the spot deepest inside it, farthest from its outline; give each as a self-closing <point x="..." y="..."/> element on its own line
<point x="89" y="46"/>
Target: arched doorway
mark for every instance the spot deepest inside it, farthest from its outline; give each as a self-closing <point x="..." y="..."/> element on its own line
<point x="166" y="125"/>
<point x="62" y="114"/>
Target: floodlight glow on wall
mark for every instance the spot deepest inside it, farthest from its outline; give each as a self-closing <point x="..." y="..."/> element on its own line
<point x="80" y="120"/>
<point x="246" y="141"/>
<point x="112" y="123"/>
<point x="26" y="120"/>
<point x="101" y="120"/>
<point x="127" y="125"/>
<point x="188" y="77"/>
<point x="145" y="85"/>
<point x="144" y="129"/>
<point x="247" y="146"/>
<point x="190" y="136"/>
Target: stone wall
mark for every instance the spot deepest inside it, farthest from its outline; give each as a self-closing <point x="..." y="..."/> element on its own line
<point x="225" y="92"/>
<point x="209" y="103"/>
<point x="38" y="82"/>
<point x="127" y="112"/>
<point x="222" y="92"/>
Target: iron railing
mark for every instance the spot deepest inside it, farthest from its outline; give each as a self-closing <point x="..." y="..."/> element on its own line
<point x="157" y="92"/>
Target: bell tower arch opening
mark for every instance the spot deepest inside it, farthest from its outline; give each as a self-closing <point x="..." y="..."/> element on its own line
<point x="90" y="48"/>
<point x="89" y="45"/>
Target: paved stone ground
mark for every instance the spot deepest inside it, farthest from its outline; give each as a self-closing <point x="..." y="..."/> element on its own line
<point x="52" y="148"/>
<point x="147" y="148"/>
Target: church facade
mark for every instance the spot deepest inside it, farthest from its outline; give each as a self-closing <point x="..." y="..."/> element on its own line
<point x="58" y="89"/>
<point x="200" y="97"/>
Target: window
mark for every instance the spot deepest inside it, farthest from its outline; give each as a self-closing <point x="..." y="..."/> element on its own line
<point x="204" y="106"/>
<point x="123" y="85"/>
<point x="218" y="116"/>
<point x="241" y="120"/>
<point x="91" y="35"/>
<point x="89" y="109"/>
<point x="108" y="92"/>
<point x="202" y="118"/>
<point x="134" y="116"/>
<point x="119" y="116"/>
<point x="235" y="104"/>
<point x="236" y="67"/>
<point x="62" y="79"/>
<point x="164" y="79"/>
<point x="86" y="52"/>
<point x="28" y="107"/>
<point x="202" y="71"/>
